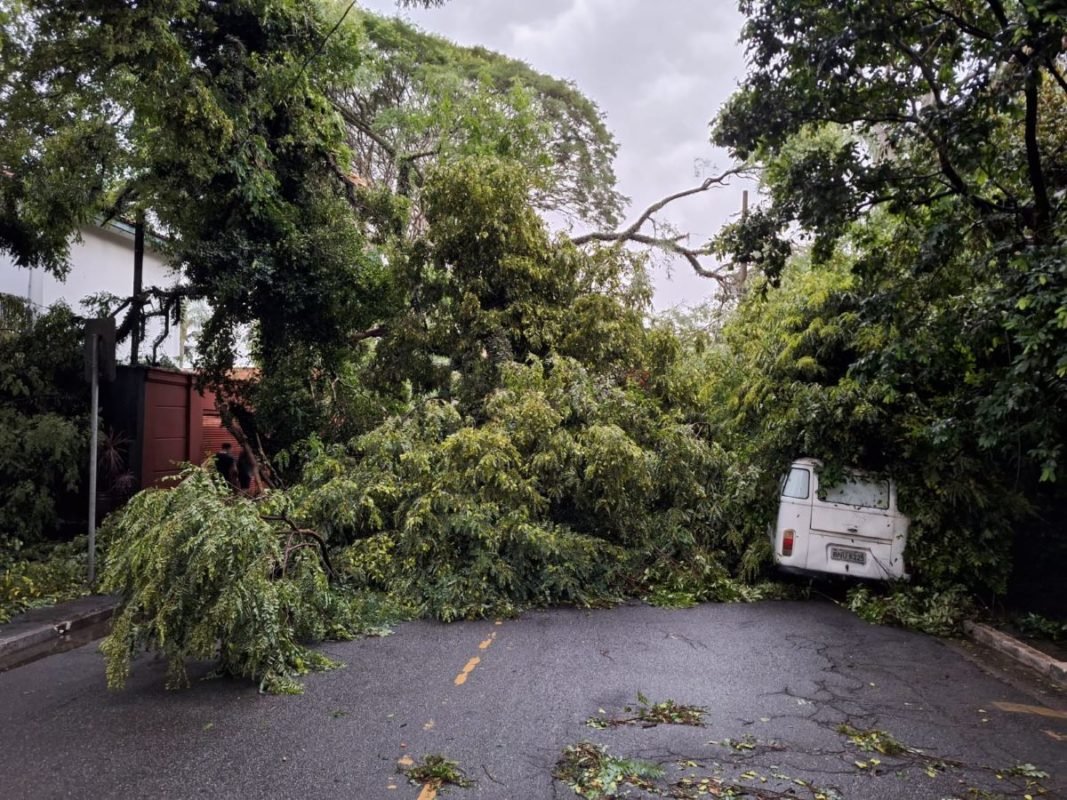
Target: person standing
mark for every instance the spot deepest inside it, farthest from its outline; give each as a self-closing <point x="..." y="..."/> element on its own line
<point x="226" y="464"/>
<point x="246" y="470"/>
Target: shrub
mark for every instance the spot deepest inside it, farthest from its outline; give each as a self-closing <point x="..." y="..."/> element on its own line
<point x="43" y="407"/>
<point x="44" y="575"/>
<point x="939" y="613"/>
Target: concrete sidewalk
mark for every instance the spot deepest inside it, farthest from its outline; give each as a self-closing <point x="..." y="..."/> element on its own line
<point x="44" y="631"/>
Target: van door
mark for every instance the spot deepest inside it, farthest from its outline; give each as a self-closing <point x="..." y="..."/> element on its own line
<point x="854" y="529"/>
<point x="856" y="507"/>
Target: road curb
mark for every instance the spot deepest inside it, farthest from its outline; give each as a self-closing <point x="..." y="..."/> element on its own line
<point x="1055" y="671"/>
<point x="46" y="631"/>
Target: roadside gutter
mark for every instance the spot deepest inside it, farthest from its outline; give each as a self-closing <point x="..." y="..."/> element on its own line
<point x="1049" y="667"/>
<point x="45" y="631"/>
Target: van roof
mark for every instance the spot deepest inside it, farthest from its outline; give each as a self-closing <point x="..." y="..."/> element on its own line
<point x="856" y="473"/>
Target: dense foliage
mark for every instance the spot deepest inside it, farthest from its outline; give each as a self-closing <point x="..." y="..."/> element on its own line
<point x="476" y="416"/>
<point x="918" y="149"/>
<point x="215" y="121"/>
<point x="543" y="459"/>
<point x="42" y="575"/>
<point x="573" y="490"/>
<point x="43" y="416"/>
<point x="419" y="100"/>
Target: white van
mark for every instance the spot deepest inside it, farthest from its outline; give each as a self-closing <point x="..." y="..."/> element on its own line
<point x="853" y="528"/>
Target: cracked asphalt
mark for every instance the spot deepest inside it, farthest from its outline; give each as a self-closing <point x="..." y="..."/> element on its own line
<point x="504" y="698"/>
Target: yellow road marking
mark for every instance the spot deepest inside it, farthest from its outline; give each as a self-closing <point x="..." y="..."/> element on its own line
<point x="467" y="669"/>
<point x="1041" y="711"/>
<point x="1059" y="737"/>
<point x="429" y="792"/>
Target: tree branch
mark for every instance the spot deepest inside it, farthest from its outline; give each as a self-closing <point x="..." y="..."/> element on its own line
<point x="632" y="233"/>
<point x="357" y="122"/>
<point x="924" y="68"/>
<point x="627" y="233"/>
<point x="296" y="529"/>
<point x="1051" y="66"/>
<point x="998" y="11"/>
<point x="1042" y="205"/>
<point x="377" y="332"/>
<point x="361" y="125"/>
<point x="961" y="22"/>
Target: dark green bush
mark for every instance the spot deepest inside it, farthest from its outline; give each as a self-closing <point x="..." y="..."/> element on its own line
<point x="43" y="575"/>
<point x="43" y="436"/>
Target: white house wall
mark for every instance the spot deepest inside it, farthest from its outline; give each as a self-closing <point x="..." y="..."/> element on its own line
<point x="101" y="261"/>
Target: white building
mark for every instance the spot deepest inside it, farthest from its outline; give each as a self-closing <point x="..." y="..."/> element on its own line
<point x="101" y="260"/>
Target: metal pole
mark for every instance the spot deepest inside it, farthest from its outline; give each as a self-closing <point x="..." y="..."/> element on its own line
<point x="94" y="426"/>
<point x="138" y="286"/>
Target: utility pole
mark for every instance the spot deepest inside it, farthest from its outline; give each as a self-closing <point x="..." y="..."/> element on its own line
<point x="742" y="276"/>
<point x="138" y="286"/>
<point x="99" y="358"/>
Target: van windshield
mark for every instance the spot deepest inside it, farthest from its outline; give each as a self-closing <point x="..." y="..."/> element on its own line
<point x="867" y="494"/>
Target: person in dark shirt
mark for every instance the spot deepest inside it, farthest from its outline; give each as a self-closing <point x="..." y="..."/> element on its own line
<point x="246" y="469"/>
<point x="226" y="464"/>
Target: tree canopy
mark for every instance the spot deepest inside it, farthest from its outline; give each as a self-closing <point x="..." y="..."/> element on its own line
<point x="948" y="120"/>
<point x="419" y="99"/>
<point x="913" y="153"/>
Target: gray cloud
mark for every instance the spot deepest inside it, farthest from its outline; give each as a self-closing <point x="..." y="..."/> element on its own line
<point x="659" y="71"/>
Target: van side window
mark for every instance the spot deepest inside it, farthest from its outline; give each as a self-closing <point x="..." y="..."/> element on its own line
<point x="859" y="493"/>
<point x="797" y="484"/>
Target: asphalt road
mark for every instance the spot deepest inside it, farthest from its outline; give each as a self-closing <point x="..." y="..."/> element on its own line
<point x="504" y="698"/>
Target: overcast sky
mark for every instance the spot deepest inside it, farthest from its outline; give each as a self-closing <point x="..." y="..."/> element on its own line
<point x="659" y="71"/>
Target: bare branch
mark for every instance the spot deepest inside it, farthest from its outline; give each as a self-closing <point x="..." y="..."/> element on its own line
<point x="673" y="244"/>
<point x="295" y="529"/>
<point x="627" y="233"/>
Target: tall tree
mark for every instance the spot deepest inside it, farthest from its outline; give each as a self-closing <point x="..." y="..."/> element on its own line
<point x="948" y="116"/>
<point x="214" y="120"/>
<point x="419" y="99"/>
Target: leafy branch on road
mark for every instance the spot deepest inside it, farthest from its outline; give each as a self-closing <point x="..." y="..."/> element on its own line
<point x="207" y="574"/>
<point x="593" y="773"/>
<point x="436" y="771"/>
<point x="1024" y="779"/>
<point x="596" y="774"/>
<point x="648" y="715"/>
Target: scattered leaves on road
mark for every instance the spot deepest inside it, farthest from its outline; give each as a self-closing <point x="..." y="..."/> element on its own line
<point x="436" y="771"/>
<point x="648" y="714"/>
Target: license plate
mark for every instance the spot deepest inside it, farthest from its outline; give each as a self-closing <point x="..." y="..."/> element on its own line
<point x="848" y="556"/>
